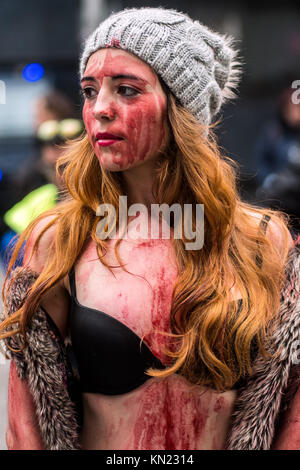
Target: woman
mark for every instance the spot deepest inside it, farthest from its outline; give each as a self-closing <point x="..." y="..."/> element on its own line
<point x="165" y="340"/>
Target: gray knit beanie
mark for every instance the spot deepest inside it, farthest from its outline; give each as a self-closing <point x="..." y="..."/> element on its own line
<point x="199" y="66"/>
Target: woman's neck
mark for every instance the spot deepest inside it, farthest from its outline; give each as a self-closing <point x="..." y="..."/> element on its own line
<point x="138" y="183"/>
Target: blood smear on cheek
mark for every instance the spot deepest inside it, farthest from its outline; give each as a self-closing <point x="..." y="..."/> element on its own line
<point x="88" y="119"/>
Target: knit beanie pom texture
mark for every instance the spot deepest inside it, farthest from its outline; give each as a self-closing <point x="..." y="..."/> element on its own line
<point x="201" y="67"/>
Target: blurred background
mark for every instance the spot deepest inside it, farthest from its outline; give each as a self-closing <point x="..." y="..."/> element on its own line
<point x="40" y="105"/>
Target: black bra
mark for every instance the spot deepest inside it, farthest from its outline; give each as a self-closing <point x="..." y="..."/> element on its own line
<point x="111" y="359"/>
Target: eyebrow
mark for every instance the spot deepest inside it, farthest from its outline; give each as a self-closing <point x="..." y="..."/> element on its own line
<point x="114" y="77"/>
<point x="88" y="79"/>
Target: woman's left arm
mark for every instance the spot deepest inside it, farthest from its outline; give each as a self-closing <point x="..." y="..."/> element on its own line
<point x="22" y="431"/>
<point x="288" y="437"/>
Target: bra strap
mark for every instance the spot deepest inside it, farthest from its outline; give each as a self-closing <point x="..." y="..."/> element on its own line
<point x="263" y="224"/>
<point x="72" y="282"/>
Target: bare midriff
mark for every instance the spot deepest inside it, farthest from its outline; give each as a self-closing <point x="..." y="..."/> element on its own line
<point x="164" y="413"/>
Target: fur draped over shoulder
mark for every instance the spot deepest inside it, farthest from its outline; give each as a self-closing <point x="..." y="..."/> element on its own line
<point x="45" y="364"/>
<point x="268" y="392"/>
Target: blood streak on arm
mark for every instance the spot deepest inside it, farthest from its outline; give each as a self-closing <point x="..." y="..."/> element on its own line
<point x="288" y="437"/>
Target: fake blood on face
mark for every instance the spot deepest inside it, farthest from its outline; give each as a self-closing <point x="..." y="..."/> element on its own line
<point x="125" y="99"/>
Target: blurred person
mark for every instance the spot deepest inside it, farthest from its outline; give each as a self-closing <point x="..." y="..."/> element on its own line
<point x="48" y="188"/>
<point x="279" y="141"/>
<point x="55" y="105"/>
<point x="135" y="342"/>
<point x="52" y="136"/>
<point x="282" y="191"/>
<point x="52" y="107"/>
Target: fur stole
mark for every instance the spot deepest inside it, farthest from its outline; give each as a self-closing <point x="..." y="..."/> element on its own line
<point x="269" y="390"/>
<point x="45" y="364"/>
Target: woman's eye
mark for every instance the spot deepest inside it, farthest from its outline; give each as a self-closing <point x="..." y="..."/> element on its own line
<point x="89" y="92"/>
<point x="127" y="91"/>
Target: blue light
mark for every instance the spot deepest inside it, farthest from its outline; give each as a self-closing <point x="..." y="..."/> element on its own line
<point x="1" y="174"/>
<point x="33" y="72"/>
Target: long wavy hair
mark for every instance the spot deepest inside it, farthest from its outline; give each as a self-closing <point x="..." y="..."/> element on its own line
<point x="214" y="335"/>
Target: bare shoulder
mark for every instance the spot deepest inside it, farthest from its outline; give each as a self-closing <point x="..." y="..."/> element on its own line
<point x="56" y="300"/>
<point x="36" y="260"/>
<point x="276" y="235"/>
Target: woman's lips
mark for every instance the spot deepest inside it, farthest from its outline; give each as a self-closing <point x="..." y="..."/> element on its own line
<point x="104" y="139"/>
